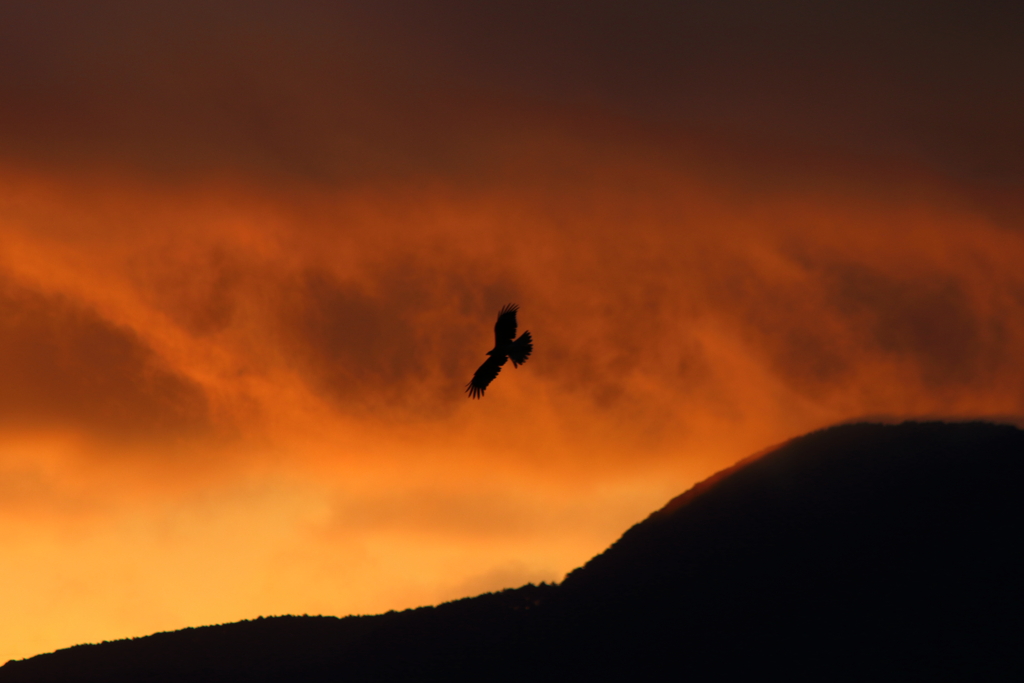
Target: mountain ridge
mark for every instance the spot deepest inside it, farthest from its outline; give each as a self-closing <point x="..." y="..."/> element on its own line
<point x="861" y="551"/>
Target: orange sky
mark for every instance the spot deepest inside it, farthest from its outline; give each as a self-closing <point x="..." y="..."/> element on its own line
<point x="250" y="254"/>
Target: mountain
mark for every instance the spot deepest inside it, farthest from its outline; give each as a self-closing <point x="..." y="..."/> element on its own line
<point x="860" y="552"/>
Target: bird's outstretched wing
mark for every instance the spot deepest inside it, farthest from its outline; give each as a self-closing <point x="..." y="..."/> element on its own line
<point x="505" y="328"/>
<point x="483" y="376"/>
<point x="521" y="349"/>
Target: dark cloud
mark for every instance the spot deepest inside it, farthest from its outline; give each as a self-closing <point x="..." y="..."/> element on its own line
<point x="931" y="321"/>
<point x="380" y="339"/>
<point x="64" y="366"/>
<point x="831" y="326"/>
<point x="356" y="90"/>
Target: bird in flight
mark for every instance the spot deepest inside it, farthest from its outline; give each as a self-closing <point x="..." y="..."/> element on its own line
<point x="506" y="347"/>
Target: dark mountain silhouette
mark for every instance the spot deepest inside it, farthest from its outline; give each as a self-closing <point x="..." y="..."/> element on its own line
<point x="861" y="552"/>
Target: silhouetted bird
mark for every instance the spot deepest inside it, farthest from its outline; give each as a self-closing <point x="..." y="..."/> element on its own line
<point x="504" y="348"/>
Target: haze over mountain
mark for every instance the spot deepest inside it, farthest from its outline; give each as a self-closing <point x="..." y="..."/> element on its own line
<point x="859" y="552"/>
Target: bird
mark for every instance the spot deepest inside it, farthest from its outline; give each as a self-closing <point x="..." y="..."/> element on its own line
<point x="506" y="347"/>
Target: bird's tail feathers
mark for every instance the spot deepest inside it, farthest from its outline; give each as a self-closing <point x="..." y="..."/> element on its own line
<point x="521" y="349"/>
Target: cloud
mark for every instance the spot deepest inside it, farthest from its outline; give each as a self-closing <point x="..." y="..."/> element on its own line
<point x="382" y="337"/>
<point x="291" y="227"/>
<point x="64" y="366"/>
<point x="647" y="289"/>
<point x="341" y="93"/>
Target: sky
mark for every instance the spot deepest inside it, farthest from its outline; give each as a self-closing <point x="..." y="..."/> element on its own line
<point x="251" y="253"/>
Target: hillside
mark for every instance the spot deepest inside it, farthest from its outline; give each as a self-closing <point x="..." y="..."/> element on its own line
<point x="860" y="552"/>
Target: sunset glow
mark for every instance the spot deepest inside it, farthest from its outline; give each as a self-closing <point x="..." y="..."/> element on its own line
<point x="248" y="263"/>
